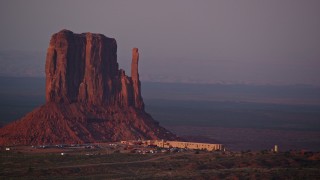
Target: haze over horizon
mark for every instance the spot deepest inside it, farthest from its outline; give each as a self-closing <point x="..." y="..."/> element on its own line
<point x="259" y="42"/>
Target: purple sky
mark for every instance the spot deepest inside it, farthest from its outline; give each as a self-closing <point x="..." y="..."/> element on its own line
<point x="247" y="41"/>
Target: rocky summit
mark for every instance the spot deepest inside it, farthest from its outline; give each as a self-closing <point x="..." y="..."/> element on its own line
<point x="88" y="98"/>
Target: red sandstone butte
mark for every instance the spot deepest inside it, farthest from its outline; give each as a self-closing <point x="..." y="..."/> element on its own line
<point x="88" y="98"/>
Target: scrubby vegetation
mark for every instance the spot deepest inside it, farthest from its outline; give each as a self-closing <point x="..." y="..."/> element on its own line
<point x="184" y="165"/>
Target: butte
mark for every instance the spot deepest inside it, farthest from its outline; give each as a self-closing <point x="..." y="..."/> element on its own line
<point x="88" y="98"/>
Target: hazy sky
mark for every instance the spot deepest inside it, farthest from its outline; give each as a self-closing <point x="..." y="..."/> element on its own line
<point x="251" y="41"/>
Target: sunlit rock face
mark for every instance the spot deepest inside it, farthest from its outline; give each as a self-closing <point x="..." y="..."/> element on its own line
<point x="83" y="68"/>
<point x="88" y="98"/>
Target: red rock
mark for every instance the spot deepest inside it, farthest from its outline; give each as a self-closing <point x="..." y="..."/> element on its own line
<point x="135" y="80"/>
<point x="88" y="98"/>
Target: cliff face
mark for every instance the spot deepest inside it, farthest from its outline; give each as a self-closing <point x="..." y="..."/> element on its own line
<point x="88" y="98"/>
<point x="83" y="68"/>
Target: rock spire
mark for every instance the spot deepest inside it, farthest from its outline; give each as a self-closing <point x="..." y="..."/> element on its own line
<point x="135" y="79"/>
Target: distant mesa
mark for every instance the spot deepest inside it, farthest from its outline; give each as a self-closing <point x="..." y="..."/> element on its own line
<point x="88" y="98"/>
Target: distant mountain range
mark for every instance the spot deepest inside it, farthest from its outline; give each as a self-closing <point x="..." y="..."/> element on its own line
<point x="15" y="63"/>
<point x="286" y="94"/>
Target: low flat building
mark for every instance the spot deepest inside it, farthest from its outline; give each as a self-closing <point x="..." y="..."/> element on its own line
<point x="187" y="145"/>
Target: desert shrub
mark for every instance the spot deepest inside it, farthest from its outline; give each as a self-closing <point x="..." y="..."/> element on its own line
<point x="264" y="151"/>
<point x="30" y="169"/>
